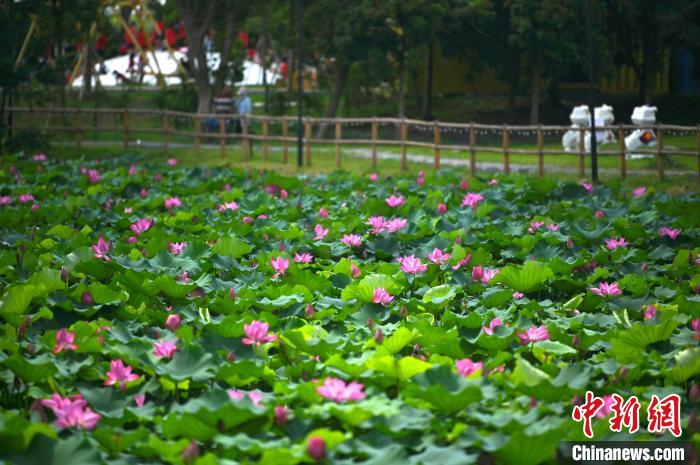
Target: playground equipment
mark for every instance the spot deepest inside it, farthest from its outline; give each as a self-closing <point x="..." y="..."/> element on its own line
<point x="643" y="137"/>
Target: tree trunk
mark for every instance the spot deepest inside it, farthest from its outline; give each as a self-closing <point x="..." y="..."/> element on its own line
<point x="536" y="66"/>
<point x="340" y="79"/>
<point x="402" y="80"/>
<point x="225" y="52"/>
<point x="513" y="82"/>
<point x="88" y="66"/>
<point x="428" y="83"/>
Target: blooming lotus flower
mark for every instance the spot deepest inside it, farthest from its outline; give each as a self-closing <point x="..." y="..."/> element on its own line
<point x="247" y="220"/>
<point x="172" y="202"/>
<point x="533" y="334"/>
<point x="64" y="340"/>
<point x="228" y="206"/>
<point x="143" y="193"/>
<point x="141" y="226"/>
<point x="139" y="400"/>
<point x="649" y="311"/>
<point x="639" y="191"/>
<point x="695" y="324"/>
<point x="373" y="177"/>
<point x="411" y="265"/>
<point x="336" y="390"/>
<point x="320" y="232"/>
<point x="395" y="224"/>
<point x="172" y="162"/>
<point x="442" y="208"/>
<point x="354" y="270"/>
<point x="472" y="200"/>
<point x="493" y="182"/>
<point x="120" y="374"/>
<point x="184" y="277"/>
<point x="377" y="223"/>
<point x="438" y="257"/>
<point x="613" y="243"/>
<point x="420" y="180"/>
<point x="132" y="170"/>
<point x="482" y="274"/>
<point x="24" y="198"/>
<point x="72" y="412"/>
<point x="466" y="366"/>
<point x="35" y="207"/>
<point x="322" y="212"/>
<point x="553" y="227"/>
<point x="173" y="321"/>
<point x="128" y="210"/>
<point x="5" y="200"/>
<point x="493" y="325"/>
<point x="518" y="295"/>
<point x="235" y="394"/>
<point x="395" y="201"/>
<point x="463" y="262"/>
<point x="164" y="349"/>
<point x="605" y="289"/>
<point x="534" y="225"/>
<point x="672" y="233"/>
<point x="588" y="186"/>
<point x="262" y="216"/>
<point x="351" y="240"/>
<point x="303" y="258"/>
<point x="39" y="157"/>
<point x="283" y="194"/>
<point x="256" y="333"/>
<point x="256" y="397"/>
<point x="280" y="265"/>
<point x="176" y="248"/>
<point x="101" y="248"/>
<point x="599" y="214"/>
<point x="381" y="296"/>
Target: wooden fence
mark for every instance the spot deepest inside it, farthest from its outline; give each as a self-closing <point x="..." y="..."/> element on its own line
<point x="218" y="127"/>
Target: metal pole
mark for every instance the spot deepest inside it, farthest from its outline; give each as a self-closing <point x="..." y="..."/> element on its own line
<point x="591" y="105"/>
<point x="300" y="90"/>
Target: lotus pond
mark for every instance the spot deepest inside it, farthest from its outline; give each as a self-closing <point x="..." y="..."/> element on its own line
<point x="154" y="313"/>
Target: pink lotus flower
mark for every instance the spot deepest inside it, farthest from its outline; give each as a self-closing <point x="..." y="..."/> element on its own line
<point x="534" y="225"/>
<point x="613" y="243"/>
<point x="72" y="412"/>
<point x="173" y="321"/>
<point x="395" y="201"/>
<point x="35" y="207"/>
<point x="281" y="415"/>
<point x="381" y="296"/>
<point x="442" y="208"/>
<point x="639" y="191"/>
<point x="411" y="265"/>
<point x="256" y="333"/>
<point x="463" y="262"/>
<point x="322" y="212"/>
<point x="482" y="274"/>
<point x="466" y="367"/>
<point x="280" y="265"/>
<point x="164" y="349"/>
<point x="172" y="202"/>
<point x="320" y="232"/>
<point x="672" y="233"/>
<point x="262" y="216"/>
<point x="101" y="248"/>
<point x="605" y="289"/>
<point x="120" y="374"/>
<point x="24" y="198"/>
<point x="695" y="324"/>
<point x="599" y="214"/>
<point x="438" y="257"/>
<point x="139" y="400"/>
<point x="172" y="162"/>
<point x="176" y="248"/>
<point x="493" y="325"/>
<point x="588" y="186"/>
<point x="132" y="170"/>
<point x="395" y="224"/>
<point x="128" y="210"/>
<point x="493" y="182"/>
<point x="518" y="295"/>
<point x="228" y="206"/>
<point x="5" y="200"/>
<point x="533" y="334"/>
<point x="553" y="227"/>
<point x="247" y="220"/>
<point x="256" y="397"/>
<point x="64" y="340"/>
<point x="336" y="390"/>
<point x="463" y="184"/>
<point x="420" y="180"/>
<point x="316" y="448"/>
<point x="184" y="277"/>
<point x="377" y="223"/>
<point x="141" y="226"/>
<point x="649" y="311"/>
<point x="351" y="240"/>
<point x="373" y="177"/>
<point x="143" y="193"/>
<point x="39" y="157"/>
<point x="354" y="270"/>
<point x="472" y="200"/>
<point x="303" y="258"/>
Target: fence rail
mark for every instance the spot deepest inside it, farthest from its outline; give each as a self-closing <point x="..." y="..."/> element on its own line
<point x="436" y="135"/>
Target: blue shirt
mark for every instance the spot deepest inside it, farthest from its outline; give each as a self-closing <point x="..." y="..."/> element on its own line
<point x="244" y="106"/>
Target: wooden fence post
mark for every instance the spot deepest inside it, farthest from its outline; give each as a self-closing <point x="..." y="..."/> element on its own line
<point x="222" y="134"/>
<point x="374" y="143"/>
<point x="581" y="152"/>
<point x="166" y="131"/>
<point x="78" y="127"/>
<point x="660" y="152"/>
<point x="404" y="155"/>
<point x="245" y="142"/>
<point x="125" y="127"/>
<point x="266" y="133"/>
<point x="472" y="150"/>
<point x="623" y="149"/>
<point x="338" y="136"/>
<point x="285" y="146"/>
<point x="307" y="136"/>
<point x="540" y="151"/>
<point x="506" y="151"/>
<point x="436" y="141"/>
<point x="197" y="136"/>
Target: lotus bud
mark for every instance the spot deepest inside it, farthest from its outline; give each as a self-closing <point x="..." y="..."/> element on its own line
<point x="694" y="393"/>
<point x="173" y="322"/>
<point x="86" y="298"/>
<point x="442" y="208"/>
<point x="576" y="342"/>
<point x="316" y="447"/>
<point x="404" y="311"/>
<point x="309" y="311"/>
<point x="370" y="323"/>
<point x="623" y="372"/>
<point x="569" y="243"/>
<point x="232" y="294"/>
<point x="280" y="415"/>
<point x="231" y="357"/>
<point x="191" y="452"/>
<point x="692" y="422"/>
<point x="64" y="275"/>
<point x="645" y="267"/>
<point x="379" y="336"/>
<point x="533" y="402"/>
